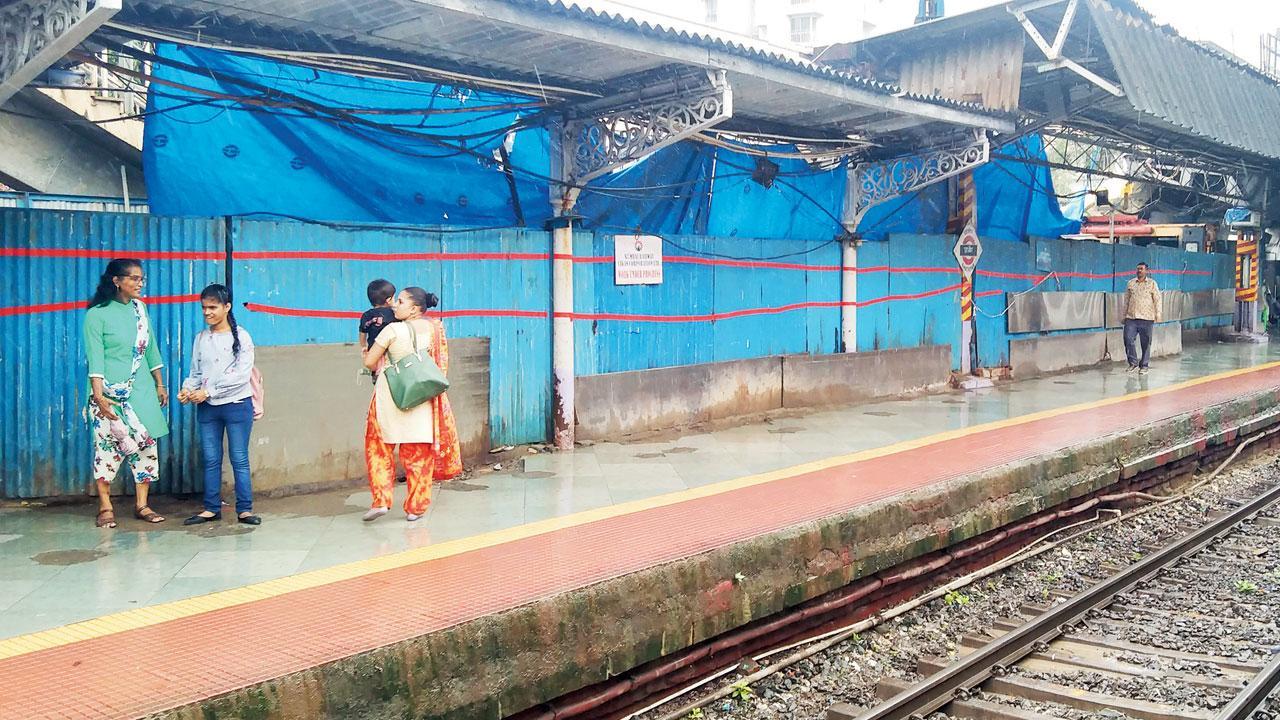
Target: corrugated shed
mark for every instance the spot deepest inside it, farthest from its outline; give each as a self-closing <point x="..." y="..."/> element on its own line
<point x="988" y="69"/>
<point x="50" y="262"/>
<point x="306" y="284"/>
<point x="38" y="201"/>
<point x="1190" y="87"/>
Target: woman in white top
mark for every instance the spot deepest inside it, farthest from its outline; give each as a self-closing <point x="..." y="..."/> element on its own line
<point x="220" y="386"/>
<point x="426" y="434"/>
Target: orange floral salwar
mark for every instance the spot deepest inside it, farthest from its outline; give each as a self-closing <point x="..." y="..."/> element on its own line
<point x="423" y="462"/>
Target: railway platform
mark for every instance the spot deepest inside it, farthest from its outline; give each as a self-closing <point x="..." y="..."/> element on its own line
<point x="525" y="584"/>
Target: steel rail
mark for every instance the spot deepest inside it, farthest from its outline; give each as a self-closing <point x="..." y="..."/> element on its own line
<point x="1255" y="693"/>
<point x="968" y="673"/>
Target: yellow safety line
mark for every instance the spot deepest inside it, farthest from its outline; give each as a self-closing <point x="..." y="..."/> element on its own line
<point x="150" y="615"/>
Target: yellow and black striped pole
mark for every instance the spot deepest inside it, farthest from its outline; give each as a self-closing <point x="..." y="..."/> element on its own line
<point x="964" y="213"/>
<point x="1247" y="281"/>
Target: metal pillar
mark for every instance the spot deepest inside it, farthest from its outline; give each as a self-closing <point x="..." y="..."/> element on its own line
<point x="562" y="331"/>
<point x="563" y="196"/>
<point x="849" y="295"/>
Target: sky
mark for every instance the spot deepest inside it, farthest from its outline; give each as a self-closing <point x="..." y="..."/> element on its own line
<point x="1236" y="25"/>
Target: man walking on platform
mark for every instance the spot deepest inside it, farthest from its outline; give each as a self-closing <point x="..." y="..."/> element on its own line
<point x="1142" y="310"/>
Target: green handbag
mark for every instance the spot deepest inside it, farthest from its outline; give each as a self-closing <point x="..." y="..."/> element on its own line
<point x="416" y="378"/>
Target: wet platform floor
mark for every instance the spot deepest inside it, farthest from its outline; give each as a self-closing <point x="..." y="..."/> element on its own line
<point x="56" y="568"/>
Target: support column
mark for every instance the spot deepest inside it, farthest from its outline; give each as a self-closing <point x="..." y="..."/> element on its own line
<point x="963" y="213"/>
<point x="564" y="196"/>
<point x="849" y="294"/>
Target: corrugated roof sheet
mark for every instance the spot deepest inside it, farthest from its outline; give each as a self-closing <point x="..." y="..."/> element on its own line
<point x="570" y="9"/>
<point x="1189" y="86"/>
<point x="469" y="36"/>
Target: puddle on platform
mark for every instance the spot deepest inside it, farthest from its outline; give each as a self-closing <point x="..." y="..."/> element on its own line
<point x="68" y="557"/>
<point x="785" y="430"/>
<point x="534" y="474"/>
<point x="651" y="455"/>
<point x="221" y="529"/>
<point x="681" y="450"/>
<point x="1064" y="382"/>
<point x="953" y="401"/>
<point x="460" y="486"/>
<point x="879" y="413"/>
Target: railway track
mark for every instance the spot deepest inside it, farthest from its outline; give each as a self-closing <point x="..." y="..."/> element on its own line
<point x="1185" y="616"/>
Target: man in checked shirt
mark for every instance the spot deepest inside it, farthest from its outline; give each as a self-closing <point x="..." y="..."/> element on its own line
<point x="1142" y="310"/>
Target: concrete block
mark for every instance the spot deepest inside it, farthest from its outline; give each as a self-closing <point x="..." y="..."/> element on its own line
<point x="618" y="404"/>
<point x="312" y="434"/>
<point x="1045" y="311"/>
<point x="817" y="380"/>
<point x="1166" y="339"/>
<point x="1040" y="355"/>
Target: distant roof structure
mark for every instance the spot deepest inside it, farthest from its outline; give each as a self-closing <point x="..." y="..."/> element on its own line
<point x="1101" y="64"/>
<point x="551" y="43"/>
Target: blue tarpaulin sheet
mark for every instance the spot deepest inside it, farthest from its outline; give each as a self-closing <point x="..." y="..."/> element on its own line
<point x="1016" y="199"/>
<point x="232" y="134"/>
<point x="400" y="159"/>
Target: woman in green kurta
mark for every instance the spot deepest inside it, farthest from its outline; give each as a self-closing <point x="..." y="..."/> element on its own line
<point x="126" y="388"/>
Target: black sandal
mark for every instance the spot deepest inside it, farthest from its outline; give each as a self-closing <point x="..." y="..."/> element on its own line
<point x="249" y="519"/>
<point x="198" y="519"/>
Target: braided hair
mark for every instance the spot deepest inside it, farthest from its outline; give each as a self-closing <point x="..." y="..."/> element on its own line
<point x="222" y="295"/>
<point x="107" y="289"/>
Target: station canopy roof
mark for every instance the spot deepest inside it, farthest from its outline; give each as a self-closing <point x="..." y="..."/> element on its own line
<point x="567" y="52"/>
<point x="1176" y="95"/>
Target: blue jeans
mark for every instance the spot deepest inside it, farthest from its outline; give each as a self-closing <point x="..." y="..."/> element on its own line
<point x="1137" y="331"/>
<point x="236" y="420"/>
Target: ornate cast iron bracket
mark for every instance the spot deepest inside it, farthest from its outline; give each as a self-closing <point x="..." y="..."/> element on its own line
<point x="875" y="182"/>
<point x="614" y="131"/>
<point x="34" y="34"/>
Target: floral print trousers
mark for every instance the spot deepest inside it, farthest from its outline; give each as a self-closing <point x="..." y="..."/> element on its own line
<point x="107" y="459"/>
<point x="419" y="466"/>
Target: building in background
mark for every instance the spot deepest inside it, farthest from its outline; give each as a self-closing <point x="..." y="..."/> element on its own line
<point x="798" y="26"/>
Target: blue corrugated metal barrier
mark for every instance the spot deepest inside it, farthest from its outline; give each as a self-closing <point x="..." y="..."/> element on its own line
<point x="50" y="262"/>
<point x="722" y="298"/>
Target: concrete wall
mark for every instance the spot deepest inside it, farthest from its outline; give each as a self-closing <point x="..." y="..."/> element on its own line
<point x="312" y="434"/>
<point x="817" y="380"/>
<point x="1034" y="356"/>
<point x="618" y="404"/>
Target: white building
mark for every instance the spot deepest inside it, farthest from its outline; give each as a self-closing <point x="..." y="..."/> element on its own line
<point x="794" y="25"/>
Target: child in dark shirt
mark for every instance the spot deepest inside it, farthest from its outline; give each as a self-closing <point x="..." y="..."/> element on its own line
<point x="379" y="316"/>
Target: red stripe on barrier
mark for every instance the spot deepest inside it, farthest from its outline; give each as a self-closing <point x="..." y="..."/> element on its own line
<point x="915" y="296"/>
<point x="355" y="314"/>
<point x="621" y="317"/>
<point x="80" y="305"/>
<point x="85" y="253"/>
<point x="374" y="257"/>
<point x="710" y="317"/>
